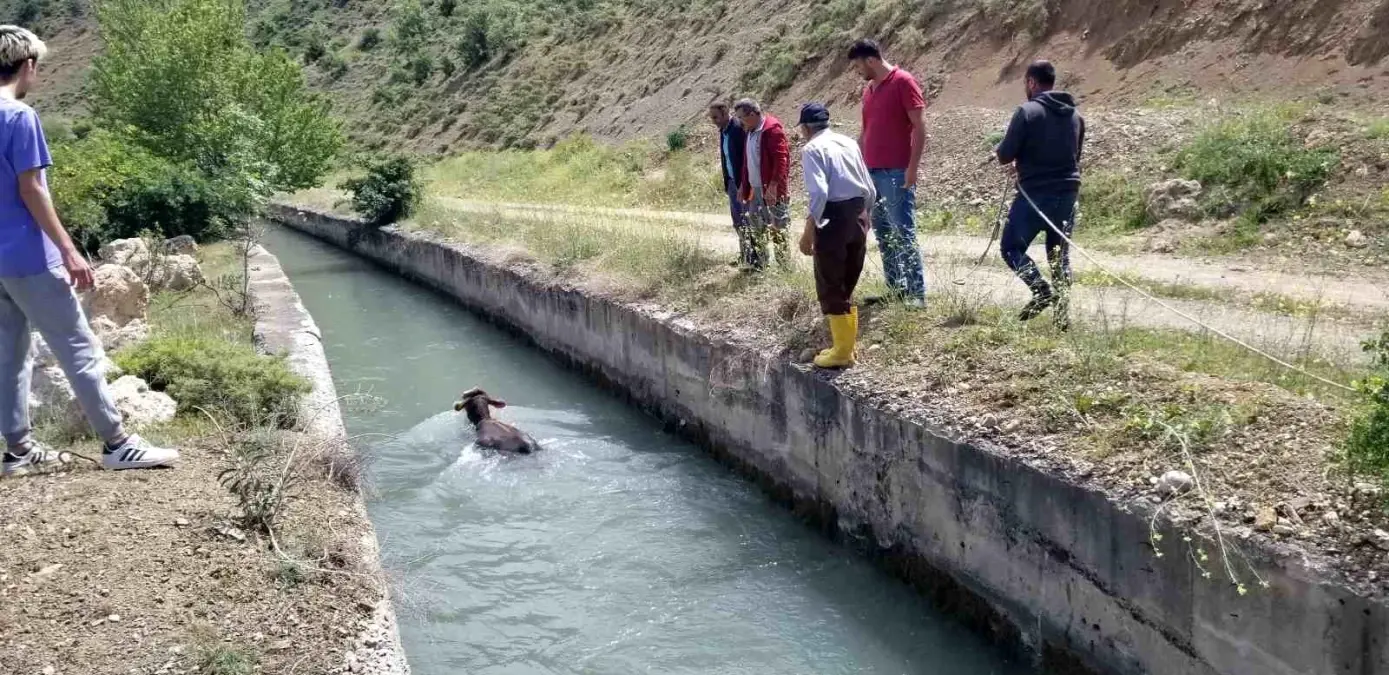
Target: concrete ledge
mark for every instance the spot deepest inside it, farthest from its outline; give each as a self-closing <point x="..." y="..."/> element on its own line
<point x="1042" y="564"/>
<point x="284" y="326"/>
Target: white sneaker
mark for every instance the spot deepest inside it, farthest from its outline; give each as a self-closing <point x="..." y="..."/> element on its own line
<point x="36" y="459"/>
<point x="136" y="453"/>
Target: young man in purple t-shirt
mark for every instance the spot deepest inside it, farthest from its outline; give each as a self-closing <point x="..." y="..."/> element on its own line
<point x="39" y="266"/>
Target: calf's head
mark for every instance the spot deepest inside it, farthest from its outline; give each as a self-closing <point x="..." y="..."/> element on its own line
<point x="476" y="403"/>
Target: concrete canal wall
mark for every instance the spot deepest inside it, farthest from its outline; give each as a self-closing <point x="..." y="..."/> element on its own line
<point x="284" y="326"/>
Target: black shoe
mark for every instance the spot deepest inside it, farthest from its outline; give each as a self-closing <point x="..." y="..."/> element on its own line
<point x="1038" y="305"/>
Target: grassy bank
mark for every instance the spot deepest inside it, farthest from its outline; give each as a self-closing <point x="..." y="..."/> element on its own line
<point x="253" y="539"/>
<point x="581" y="171"/>
<point x="683" y="265"/>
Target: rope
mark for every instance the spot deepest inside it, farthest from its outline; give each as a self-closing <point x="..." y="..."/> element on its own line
<point x="998" y="229"/>
<point x="1169" y="307"/>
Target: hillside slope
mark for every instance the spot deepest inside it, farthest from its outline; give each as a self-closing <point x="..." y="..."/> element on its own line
<point x="444" y="75"/>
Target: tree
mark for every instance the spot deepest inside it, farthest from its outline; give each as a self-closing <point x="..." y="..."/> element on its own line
<point x="182" y="79"/>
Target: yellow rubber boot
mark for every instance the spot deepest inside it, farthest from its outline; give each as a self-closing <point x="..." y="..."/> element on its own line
<point x="853" y="319"/>
<point x="853" y="315"/>
<point x="841" y="355"/>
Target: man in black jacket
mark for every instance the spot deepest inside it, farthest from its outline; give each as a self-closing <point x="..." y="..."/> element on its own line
<point x="732" y="154"/>
<point x="1043" y="147"/>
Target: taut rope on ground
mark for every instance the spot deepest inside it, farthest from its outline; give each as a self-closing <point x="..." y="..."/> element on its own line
<point x="1135" y="288"/>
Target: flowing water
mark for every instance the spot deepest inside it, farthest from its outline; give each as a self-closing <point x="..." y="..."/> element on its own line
<point x="618" y="549"/>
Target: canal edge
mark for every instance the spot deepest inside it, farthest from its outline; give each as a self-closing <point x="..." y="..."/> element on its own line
<point x="1036" y="560"/>
<point x="284" y="326"/>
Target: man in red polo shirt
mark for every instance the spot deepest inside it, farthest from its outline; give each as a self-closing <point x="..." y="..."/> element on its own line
<point x="893" y="139"/>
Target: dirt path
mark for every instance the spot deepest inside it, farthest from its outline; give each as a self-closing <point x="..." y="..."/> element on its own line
<point x="1234" y="275"/>
<point x="1352" y="306"/>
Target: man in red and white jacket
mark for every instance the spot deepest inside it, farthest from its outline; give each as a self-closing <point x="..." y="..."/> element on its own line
<point x="764" y="188"/>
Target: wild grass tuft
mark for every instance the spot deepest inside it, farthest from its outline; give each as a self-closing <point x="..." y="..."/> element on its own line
<point x="226" y="660"/>
<point x="580" y="171"/>
<point x="259" y="477"/>
<point x="1365" y="450"/>
<point x="1255" y="165"/>
<point x="1378" y="130"/>
<point x="1111" y="203"/>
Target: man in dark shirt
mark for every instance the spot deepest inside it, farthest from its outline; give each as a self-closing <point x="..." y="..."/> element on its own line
<point x="732" y="154"/>
<point x="1043" y="147"/>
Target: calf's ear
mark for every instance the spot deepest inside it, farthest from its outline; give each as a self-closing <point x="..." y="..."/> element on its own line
<point x="496" y="403"/>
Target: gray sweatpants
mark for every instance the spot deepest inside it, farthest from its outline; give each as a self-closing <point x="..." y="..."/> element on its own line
<point x="48" y="303"/>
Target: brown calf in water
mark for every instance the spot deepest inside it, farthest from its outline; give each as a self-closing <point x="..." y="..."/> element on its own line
<point x="491" y="433"/>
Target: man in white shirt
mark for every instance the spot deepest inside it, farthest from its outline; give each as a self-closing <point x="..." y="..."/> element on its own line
<point x="836" y="231"/>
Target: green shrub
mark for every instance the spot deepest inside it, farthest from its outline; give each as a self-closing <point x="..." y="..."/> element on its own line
<point x="388" y="193"/>
<point x="410" y="27"/>
<point x="677" y="139"/>
<point x="446" y="7"/>
<point x="1257" y="163"/>
<point x="314" y="51"/>
<point x="27" y="12"/>
<point x="218" y="376"/>
<point x="490" y="29"/>
<point x="370" y="39"/>
<point x="777" y="71"/>
<point x="184" y="79"/>
<point x="390" y="94"/>
<point x="334" y="64"/>
<point x="108" y="187"/>
<point x="420" y="68"/>
<point x="1365" y="450"/>
<point x="1111" y="202"/>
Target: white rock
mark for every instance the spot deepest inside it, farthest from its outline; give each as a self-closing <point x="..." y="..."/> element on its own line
<point x="1175" y="482"/>
<point x="182" y="245"/>
<point x="119" y="295"/>
<point x="114" y="337"/>
<point x="1356" y="239"/>
<point x="175" y="273"/>
<point x="132" y="253"/>
<point x="1380" y="539"/>
<point x="140" y="405"/>
<point x="52" y="401"/>
<point x="1174" y="199"/>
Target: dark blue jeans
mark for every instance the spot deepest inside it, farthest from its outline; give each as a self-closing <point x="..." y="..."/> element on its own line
<point x="1024" y="224"/>
<point x="747" y="253"/>
<point x="894" y="226"/>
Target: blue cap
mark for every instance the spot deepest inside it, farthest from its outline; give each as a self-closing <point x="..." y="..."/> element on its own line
<point x="812" y="113"/>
